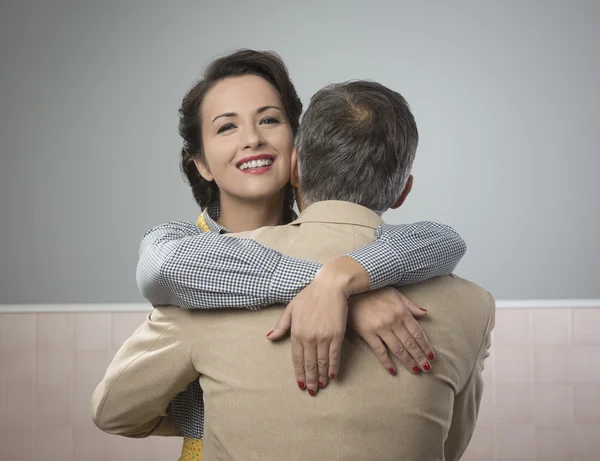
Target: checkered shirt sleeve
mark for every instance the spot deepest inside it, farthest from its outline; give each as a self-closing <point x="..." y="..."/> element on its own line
<point x="410" y="253"/>
<point x="179" y="264"/>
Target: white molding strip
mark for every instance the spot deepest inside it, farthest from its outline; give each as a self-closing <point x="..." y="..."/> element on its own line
<point x="549" y="304"/>
<point x="43" y="308"/>
<point x="141" y="307"/>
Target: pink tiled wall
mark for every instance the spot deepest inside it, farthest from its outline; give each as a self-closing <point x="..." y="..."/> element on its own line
<point x="542" y="399"/>
<point x="49" y="366"/>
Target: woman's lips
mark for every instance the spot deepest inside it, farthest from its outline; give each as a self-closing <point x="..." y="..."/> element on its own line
<point x="258" y="170"/>
<point x="255" y="157"/>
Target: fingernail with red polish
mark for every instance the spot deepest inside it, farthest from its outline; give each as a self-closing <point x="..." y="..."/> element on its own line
<point x="424" y="310"/>
<point x="321" y="385"/>
<point x="301" y="385"/>
<point x="269" y="333"/>
<point x="392" y="371"/>
<point x="416" y="370"/>
<point x="431" y="356"/>
<point x="311" y="392"/>
<point x="427" y="367"/>
<point x="332" y="376"/>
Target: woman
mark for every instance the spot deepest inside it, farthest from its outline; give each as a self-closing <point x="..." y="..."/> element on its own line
<point x="238" y="125"/>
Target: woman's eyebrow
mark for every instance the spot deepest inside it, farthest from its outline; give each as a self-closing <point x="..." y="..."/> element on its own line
<point x="228" y="114"/>
<point x="264" y="108"/>
<point x="258" y="111"/>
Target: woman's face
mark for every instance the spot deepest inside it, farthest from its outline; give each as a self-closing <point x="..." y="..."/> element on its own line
<point x="247" y="138"/>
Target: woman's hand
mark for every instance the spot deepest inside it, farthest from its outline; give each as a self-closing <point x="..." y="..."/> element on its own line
<point x="386" y="317"/>
<point x="318" y="317"/>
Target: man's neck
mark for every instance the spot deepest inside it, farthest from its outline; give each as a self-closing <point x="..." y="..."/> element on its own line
<point x="238" y="216"/>
<point x="301" y="202"/>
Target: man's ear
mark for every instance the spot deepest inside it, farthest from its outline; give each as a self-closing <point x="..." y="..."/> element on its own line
<point x="203" y="170"/>
<point x="294" y="177"/>
<point x="404" y="194"/>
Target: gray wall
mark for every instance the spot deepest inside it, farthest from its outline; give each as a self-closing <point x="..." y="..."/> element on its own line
<point x="506" y="97"/>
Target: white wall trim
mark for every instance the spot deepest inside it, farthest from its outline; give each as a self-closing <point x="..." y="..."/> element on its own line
<point x="142" y="307"/>
<point x="549" y="304"/>
<point x="43" y="308"/>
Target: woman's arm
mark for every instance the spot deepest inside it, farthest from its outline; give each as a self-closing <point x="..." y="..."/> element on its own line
<point x="181" y="265"/>
<point x="408" y="253"/>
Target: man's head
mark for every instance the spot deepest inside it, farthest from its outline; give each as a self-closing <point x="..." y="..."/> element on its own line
<point x="356" y="143"/>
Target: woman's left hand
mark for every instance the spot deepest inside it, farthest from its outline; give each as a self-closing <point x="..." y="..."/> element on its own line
<point x="386" y="320"/>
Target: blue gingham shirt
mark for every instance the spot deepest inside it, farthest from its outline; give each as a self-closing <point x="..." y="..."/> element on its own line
<point x="181" y="265"/>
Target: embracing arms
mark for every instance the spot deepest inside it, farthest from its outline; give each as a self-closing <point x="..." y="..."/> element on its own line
<point x="183" y="266"/>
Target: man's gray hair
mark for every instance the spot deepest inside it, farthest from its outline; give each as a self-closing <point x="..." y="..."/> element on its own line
<point x="356" y="143"/>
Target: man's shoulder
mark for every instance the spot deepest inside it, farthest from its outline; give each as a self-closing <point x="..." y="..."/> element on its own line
<point x="475" y="293"/>
<point x="453" y="286"/>
<point x="475" y="296"/>
<point x="456" y="300"/>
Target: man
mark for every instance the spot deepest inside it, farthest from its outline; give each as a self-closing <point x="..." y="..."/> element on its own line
<point x="353" y="136"/>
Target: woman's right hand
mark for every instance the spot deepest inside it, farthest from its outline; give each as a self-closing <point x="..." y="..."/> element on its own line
<point x="386" y="317"/>
<point x="317" y="319"/>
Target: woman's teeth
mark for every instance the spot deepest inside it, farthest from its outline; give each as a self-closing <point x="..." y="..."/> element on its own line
<point x="256" y="164"/>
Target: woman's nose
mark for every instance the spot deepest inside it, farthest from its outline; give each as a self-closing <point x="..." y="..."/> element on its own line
<point x="251" y="138"/>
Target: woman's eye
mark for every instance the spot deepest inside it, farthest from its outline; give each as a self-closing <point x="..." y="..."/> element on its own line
<point x="226" y="127"/>
<point x="269" y="121"/>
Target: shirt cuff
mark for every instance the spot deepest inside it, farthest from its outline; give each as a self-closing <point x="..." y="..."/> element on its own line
<point x="383" y="269"/>
<point x="290" y="277"/>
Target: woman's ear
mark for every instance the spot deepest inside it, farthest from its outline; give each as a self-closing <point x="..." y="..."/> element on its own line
<point x="294" y="178"/>
<point x="203" y="170"/>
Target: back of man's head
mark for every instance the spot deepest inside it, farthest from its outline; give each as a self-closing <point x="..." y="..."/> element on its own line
<point x="356" y="143"/>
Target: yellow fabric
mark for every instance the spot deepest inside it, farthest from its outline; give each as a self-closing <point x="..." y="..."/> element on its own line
<point x="192" y="450"/>
<point x="201" y="222"/>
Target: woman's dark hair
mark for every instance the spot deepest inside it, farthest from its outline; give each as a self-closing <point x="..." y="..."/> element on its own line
<point x="265" y="64"/>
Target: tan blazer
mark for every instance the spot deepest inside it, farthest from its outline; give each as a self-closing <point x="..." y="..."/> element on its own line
<point x="253" y="407"/>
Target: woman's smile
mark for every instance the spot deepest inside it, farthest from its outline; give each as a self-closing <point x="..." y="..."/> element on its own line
<point x="256" y="164"/>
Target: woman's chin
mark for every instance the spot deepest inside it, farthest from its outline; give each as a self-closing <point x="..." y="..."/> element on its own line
<point x="265" y="190"/>
<point x="254" y="195"/>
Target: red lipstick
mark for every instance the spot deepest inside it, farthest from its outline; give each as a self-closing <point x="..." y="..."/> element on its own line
<point x="255" y="157"/>
<point x="256" y="170"/>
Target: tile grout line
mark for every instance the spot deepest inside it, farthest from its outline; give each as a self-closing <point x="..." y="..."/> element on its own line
<point x="74" y="362"/>
<point x="494" y="399"/>
<point x="35" y="378"/>
<point x="531" y="380"/>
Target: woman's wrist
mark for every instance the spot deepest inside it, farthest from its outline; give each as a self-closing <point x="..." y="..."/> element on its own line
<point x="344" y="274"/>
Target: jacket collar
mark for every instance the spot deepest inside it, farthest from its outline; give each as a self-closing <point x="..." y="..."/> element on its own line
<point x="339" y="212"/>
